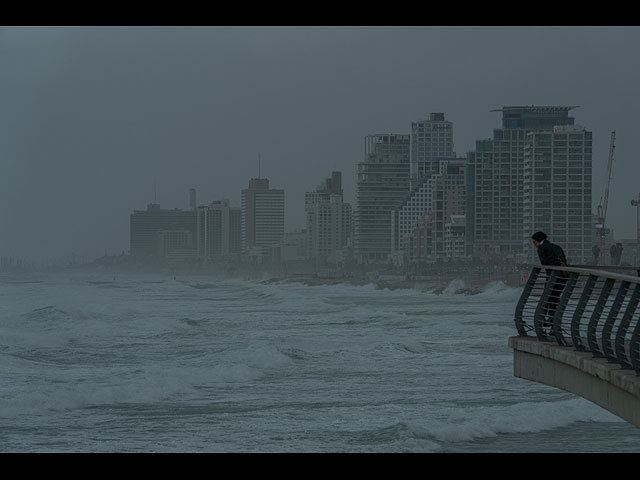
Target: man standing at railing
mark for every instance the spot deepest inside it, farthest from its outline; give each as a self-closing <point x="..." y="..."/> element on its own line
<point x="551" y="254"/>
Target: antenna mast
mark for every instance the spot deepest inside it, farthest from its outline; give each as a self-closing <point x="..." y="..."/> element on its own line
<point x="602" y="208"/>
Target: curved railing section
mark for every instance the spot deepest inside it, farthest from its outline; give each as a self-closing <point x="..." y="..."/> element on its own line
<point x="591" y="309"/>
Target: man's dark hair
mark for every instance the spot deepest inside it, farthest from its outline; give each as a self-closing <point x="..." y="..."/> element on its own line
<point x="539" y="236"/>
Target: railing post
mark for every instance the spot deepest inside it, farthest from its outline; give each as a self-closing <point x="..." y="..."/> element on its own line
<point x="562" y="304"/>
<point x="596" y="351"/>
<point x="634" y="348"/>
<point x="607" y="347"/>
<point x="577" y="314"/>
<point x="543" y="305"/>
<point x="524" y="297"/>
<point x="620" y="341"/>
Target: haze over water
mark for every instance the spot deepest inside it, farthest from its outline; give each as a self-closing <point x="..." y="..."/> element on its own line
<point x="97" y="122"/>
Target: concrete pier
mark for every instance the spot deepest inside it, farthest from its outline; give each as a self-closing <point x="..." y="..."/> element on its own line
<point x="598" y="380"/>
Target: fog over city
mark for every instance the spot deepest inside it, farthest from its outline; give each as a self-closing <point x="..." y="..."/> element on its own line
<point x="96" y="122"/>
<point x="261" y="239"/>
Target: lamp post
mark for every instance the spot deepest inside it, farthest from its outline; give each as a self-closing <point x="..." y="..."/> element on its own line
<point x="636" y="203"/>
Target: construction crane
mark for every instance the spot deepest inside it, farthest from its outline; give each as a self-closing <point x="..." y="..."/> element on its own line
<point x="604" y="200"/>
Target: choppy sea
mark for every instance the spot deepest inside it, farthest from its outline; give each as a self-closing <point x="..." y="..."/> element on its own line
<point x="102" y="362"/>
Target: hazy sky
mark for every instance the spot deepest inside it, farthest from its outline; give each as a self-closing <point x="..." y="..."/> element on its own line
<point x="91" y="117"/>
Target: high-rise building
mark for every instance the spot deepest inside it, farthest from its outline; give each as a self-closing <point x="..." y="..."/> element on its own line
<point x="426" y="230"/>
<point x="405" y="217"/>
<point x="448" y="192"/>
<point x="431" y="140"/>
<point x="495" y="179"/>
<point x="431" y="144"/>
<point x="219" y="229"/>
<point x="557" y="190"/>
<point x="160" y="232"/>
<point x="262" y="216"/>
<point x="328" y="219"/>
<point x="383" y="183"/>
<point x="442" y="192"/>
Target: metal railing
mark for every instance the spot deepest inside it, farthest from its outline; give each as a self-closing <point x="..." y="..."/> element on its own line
<point x="594" y="309"/>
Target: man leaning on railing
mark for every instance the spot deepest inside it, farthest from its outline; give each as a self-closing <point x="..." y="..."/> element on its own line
<point x="551" y="254"/>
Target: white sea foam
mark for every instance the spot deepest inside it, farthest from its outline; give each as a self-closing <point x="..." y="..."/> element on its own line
<point x="500" y="291"/>
<point x="473" y="423"/>
<point x="454" y="287"/>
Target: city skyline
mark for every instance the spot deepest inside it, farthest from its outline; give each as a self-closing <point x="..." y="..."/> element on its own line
<point x="98" y="122"/>
<point x="540" y="152"/>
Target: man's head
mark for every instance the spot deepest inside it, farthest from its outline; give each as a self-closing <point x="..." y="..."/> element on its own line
<point x="538" y="237"/>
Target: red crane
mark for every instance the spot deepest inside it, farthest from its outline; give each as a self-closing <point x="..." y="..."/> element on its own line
<point x="604" y="200"/>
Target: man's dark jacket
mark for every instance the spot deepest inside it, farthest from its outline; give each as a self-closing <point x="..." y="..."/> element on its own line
<point x="551" y="254"/>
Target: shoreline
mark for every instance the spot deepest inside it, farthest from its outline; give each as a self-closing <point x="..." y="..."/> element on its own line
<point x="470" y="285"/>
<point x="473" y="278"/>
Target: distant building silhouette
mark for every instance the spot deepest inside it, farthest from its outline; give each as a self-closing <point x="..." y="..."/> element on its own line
<point x="436" y="232"/>
<point x="557" y="190"/>
<point x="262" y="217"/>
<point x="162" y="232"/>
<point x="219" y="230"/>
<point x="329" y="219"/>
<point x="496" y="178"/>
<point x="431" y="140"/>
<point x="383" y="183"/>
<point x="431" y="145"/>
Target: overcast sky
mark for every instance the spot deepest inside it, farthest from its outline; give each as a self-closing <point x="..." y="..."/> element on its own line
<point x="92" y="117"/>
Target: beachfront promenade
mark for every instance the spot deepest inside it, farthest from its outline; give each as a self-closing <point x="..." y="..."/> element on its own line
<point x="579" y="330"/>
